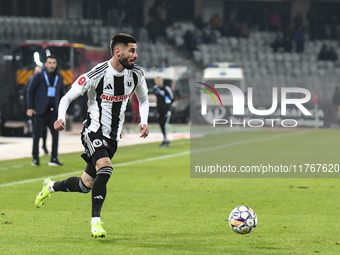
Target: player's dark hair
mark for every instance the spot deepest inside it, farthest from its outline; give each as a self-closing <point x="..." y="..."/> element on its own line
<point x="121" y="38"/>
<point x="50" y="56"/>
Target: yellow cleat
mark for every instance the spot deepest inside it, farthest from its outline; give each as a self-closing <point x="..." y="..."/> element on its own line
<point x="97" y="230"/>
<point x="41" y="197"/>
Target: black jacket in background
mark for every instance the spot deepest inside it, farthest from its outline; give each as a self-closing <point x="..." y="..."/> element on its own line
<point x="37" y="98"/>
<point x="162" y="106"/>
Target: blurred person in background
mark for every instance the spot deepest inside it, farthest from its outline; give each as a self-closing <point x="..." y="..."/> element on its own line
<point x="275" y="21"/>
<point x="244" y="30"/>
<point x="277" y="44"/>
<point x="299" y="39"/>
<point x="323" y="53"/>
<point x="287" y="44"/>
<point x="189" y="41"/>
<point x="333" y="56"/>
<point x="216" y="22"/>
<point x="298" y="20"/>
<point x="165" y="98"/>
<point x="30" y="120"/>
<point x="43" y="95"/>
<point x="327" y="53"/>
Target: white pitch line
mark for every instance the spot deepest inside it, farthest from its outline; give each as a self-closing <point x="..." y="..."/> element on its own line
<point x="17" y="166"/>
<point x="80" y="171"/>
<point x="161" y="157"/>
<point x="38" y="179"/>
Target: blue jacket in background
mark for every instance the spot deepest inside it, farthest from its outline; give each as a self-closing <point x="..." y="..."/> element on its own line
<point x="37" y="98"/>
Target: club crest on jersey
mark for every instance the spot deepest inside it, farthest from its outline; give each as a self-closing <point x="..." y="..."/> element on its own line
<point x="105" y="143"/>
<point x="114" y="98"/>
<point x="129" y="83"/>
<point x="97" y="143"/>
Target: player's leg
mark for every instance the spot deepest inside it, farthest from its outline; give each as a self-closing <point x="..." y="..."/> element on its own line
<point x="72" y="184"/>
<point x="104" y="150"/>
<point x="99" y="151"/>
<point x="104" y="171"/>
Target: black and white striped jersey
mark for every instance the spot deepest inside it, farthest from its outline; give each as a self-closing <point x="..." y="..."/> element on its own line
<point x="108" y="94"/>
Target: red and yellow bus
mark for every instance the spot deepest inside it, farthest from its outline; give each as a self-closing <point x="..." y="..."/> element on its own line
<point x="73" y="59"/>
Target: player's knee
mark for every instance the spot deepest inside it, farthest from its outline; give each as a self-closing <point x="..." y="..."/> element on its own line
<point x="84" y="188"/>
<point x="105" y="172"/>
<point x="103" y="162"/>
<point x="87" y="181"/>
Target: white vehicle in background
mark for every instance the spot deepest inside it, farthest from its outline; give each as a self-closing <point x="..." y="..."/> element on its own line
<point x="224" y="73"/>
<point x="221" y="73"/>
<point x="177" y="78"/>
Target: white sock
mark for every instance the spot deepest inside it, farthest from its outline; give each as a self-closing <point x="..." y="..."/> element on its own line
<point x="50" y="187"/>
<point x="94" y="220"/>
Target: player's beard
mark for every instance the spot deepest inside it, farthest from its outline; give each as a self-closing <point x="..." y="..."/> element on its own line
<point x="124" y="62"/>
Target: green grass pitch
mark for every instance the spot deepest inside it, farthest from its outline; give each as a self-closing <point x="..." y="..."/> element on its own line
<point x="154" y="207"/>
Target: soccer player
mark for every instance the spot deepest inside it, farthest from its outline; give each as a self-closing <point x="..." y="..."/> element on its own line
<point x="109" y="86"/>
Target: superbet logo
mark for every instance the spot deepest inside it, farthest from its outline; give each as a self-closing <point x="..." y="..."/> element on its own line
<point x="238" y="100"/>
<point x="114" y="98"/>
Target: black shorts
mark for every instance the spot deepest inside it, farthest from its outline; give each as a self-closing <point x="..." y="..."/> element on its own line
<point x="97" y="146"/>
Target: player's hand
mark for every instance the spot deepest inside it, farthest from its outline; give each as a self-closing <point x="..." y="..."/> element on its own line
<point x="30" y="112"/>
<point x="59" y="125"/>
<point x="143" y="130"/>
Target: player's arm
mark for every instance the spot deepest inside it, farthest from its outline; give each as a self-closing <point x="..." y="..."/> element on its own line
<point x="78" y="89"/>
<point x="142" y="96"/>
<point x="65" y="101"/>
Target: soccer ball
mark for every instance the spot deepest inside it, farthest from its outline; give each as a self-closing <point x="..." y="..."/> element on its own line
<point x="242" y="219"/>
